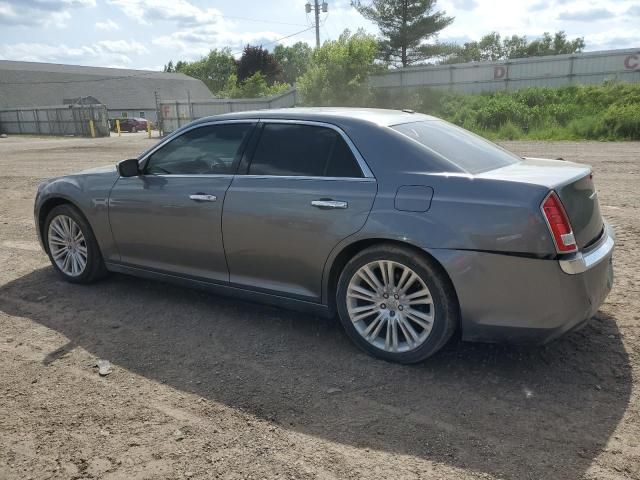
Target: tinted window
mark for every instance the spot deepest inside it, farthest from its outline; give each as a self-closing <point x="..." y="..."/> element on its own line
<point x="467" y="150"/>
<point x="213" y="149"/>
<point x="304" y="150"/>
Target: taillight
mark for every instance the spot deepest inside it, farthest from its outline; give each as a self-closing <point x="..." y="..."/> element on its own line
<point x="559" y="224"/>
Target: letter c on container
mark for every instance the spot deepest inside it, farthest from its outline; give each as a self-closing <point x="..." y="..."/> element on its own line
<point x="632" y="62"/>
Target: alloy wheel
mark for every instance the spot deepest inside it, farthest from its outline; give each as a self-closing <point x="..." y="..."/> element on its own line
<point x="390" y="306"/>
<point x="67" y="245"/>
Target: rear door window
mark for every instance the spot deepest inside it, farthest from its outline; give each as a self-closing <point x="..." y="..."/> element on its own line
<point x="289" y="149"/>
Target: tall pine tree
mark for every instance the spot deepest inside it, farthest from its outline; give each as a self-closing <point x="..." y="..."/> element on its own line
<point x="406" y="25"/>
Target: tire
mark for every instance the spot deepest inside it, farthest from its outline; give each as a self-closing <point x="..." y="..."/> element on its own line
<point x="86" y="248"/>
<point x="432" y="314"/>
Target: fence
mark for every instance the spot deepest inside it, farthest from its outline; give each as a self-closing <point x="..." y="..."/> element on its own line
<point x="56" y="120"/>
<point x="173" y="115"/>
<point x="550" y="71"/>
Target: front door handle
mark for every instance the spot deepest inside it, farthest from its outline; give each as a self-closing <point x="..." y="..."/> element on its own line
<point x="329" y="204"/>
<point x="203" y="197"/>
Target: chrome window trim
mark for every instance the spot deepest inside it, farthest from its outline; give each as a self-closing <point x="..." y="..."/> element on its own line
<point x="366" y="171"/>
<point x="192" y="175"/>
<point x="364" y="168"/>
<point x="303" y="177"/>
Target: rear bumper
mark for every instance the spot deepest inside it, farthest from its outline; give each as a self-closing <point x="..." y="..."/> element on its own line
<point x="515" y="299"/>
<point x="580" y="262"/>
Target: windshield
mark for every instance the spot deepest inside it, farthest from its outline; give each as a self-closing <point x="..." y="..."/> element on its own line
<point x="470" y="152"/>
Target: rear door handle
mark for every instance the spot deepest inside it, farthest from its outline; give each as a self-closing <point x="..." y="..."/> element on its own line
<point x="203" y="197"/>
<point x="329" y="204"/>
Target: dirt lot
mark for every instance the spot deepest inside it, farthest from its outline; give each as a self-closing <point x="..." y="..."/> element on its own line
<point x="207" y="387"/>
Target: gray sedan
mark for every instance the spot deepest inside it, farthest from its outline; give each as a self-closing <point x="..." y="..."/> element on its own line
<point x="408" y="227"/>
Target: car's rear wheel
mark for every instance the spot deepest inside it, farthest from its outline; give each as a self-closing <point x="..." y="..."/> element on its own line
<point x="396" y="304"/>
<point x="72" y="247"/>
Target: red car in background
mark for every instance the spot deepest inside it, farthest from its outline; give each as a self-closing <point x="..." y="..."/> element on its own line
<point x="132" y="125"/>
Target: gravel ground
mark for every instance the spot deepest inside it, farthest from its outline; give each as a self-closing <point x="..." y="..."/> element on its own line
<point x="208" y="387"/>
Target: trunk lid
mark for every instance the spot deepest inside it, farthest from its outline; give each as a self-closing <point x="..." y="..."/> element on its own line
<point x="571" y="181"/>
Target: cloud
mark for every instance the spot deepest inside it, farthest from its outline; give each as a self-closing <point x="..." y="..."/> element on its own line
<point x="52" y="5"/>
<point x="108" y="25"/>
<point x="105" y="52"/>
<point x="182" y="12"/>
<point x="543" y="5"/>
<point x="634" y="11"/>
<point x="613" y="40"/>
<point x="465" y="4"/>
<point x="459" y="39"/>
<point x="587" y="15"/>
<point x="119" y="47"/>
<point x="195" y="42"/>
<point x="199" y="29"/>
<point x="32" y="13"/>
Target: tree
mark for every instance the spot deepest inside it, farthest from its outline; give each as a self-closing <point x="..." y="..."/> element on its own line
<point x="405" y="26"/>
<point x="493" y="47"/>
<point x="294" y="60"/>
<point x="338" y="71"/>
<point x="253" y="87"/>
<point x="556" y="45"/>
<point x="213" y="70"/>
<point x="257" y="59"/>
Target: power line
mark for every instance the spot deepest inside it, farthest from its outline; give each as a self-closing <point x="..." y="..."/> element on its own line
<point x="282" y="38"/>
<point x="257" y="20"/>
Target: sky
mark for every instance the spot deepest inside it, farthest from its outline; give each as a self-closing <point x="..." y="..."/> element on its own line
<point x="146" y="34"/>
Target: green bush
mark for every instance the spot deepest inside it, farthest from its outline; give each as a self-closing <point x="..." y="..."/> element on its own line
<point x="623" y="121"/>
<point x="509" y="131"/>
<point x="253" y="87"/>
<point x="589" y="127"/>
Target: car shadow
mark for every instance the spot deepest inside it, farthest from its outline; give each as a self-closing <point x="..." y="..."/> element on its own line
<point x="542" y="412"/>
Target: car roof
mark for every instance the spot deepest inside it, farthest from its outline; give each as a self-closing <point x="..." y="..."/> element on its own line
<point x="333" y="115"/>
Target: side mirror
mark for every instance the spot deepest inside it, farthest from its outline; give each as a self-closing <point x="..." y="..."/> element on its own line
<point x="129" y="168"/>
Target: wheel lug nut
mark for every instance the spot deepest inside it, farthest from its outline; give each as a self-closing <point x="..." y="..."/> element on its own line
<point x="385" y="295"/>
<point x="400" y="307"/>
<point x="396" y="296"/>
<point x="383" y="305"/>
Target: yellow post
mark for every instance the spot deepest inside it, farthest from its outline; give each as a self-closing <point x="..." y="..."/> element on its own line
<point x="149" y="128"/>
<point x="92" y="128"/>
<point x="118" y="126"/>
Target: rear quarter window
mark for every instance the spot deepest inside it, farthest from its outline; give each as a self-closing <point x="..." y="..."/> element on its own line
<point x="467" y="150"/>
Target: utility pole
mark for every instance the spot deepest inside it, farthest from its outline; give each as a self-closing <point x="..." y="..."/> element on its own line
<point x="316" y="9"/>
<point x="317" y="24"/>
<point x="158" y="112"/>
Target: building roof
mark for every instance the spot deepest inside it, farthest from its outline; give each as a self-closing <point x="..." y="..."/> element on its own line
<point x="31" y="84"/>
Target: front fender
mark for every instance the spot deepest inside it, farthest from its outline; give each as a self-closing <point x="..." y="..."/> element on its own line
<point x="90" y="195"/>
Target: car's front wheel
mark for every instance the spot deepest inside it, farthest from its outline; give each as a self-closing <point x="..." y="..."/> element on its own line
<point x="396" y="304"/>
<point x="72" y="247"/>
